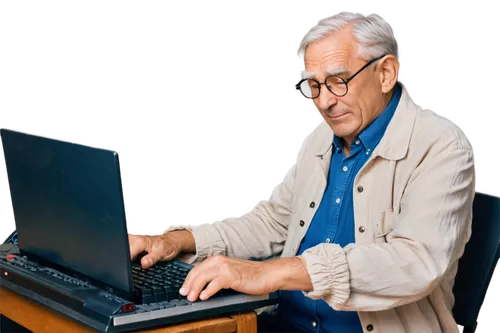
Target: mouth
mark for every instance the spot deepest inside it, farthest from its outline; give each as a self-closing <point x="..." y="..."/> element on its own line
<point x="337" y="116"/>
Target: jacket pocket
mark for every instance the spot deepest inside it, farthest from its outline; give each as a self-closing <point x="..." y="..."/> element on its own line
<point x="384" y="226"/>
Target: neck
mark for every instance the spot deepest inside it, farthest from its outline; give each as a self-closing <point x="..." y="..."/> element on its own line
<point x="386" y="99"/>
<point x="347" y="149"/>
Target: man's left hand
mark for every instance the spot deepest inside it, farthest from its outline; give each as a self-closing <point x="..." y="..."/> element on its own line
<point x="221" y="272"/>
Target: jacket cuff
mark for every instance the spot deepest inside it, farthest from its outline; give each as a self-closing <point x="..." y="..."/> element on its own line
<point x="329" y="273"/>
<point x="207" y="241"/>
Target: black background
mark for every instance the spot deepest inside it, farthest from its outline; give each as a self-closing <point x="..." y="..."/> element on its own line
<point x="199" y="100"/>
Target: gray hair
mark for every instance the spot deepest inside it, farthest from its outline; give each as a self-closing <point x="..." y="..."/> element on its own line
<point x="374" y="35"/>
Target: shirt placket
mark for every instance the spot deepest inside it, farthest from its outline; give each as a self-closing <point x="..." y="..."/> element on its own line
<point x="342" y="171"/>
<point x="339" y="179"/>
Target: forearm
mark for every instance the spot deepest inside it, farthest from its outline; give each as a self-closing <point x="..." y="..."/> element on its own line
<point x="288" y="274"/>
<point x="259" y="234"/>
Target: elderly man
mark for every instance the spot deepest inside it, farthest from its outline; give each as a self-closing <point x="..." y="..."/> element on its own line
<point x="371" y="220"/>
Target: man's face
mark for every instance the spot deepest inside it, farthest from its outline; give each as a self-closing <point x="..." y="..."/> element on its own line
<point x="350" y="114"/>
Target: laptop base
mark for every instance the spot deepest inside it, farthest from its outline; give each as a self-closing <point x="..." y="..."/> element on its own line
<point x="103" y="311"/>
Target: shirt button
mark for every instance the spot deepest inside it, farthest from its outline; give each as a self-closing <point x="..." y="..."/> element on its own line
<point x="337" y="200"/>
<point x="369" y="328"/>
<point x="361" y="229"/>
<point x="314" y="324"/>
<point x="312" y="204"/>
<point x="328" y="240"/>
<point x="360" y="189"/>
<point x="344" y="168"/>
<point x="357" y="142"/>
<point x="302" y="223"/>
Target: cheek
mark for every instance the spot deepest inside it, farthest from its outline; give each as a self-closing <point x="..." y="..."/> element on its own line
<point x="363" y="110"/>
<point x="351" y="105"/>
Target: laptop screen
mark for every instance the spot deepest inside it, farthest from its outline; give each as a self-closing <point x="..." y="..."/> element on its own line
<point x="68" y="207"/>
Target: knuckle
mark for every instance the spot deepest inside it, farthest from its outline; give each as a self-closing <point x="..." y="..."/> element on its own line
<point x="218" y="258"/>
<point x="222" y="283"/>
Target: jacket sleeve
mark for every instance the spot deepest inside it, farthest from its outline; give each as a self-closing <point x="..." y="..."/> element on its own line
<point x="259" y="234"/>
<point x="429" y="235"/>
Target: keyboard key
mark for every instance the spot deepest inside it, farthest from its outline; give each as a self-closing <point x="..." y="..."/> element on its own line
<point x="145" y="295"/>
<point x="150" y="307"/>
<point x="171" y="293"/>
<point x="159" y="293"/>
<point x="166" y="304"/>
<point x="178" y="302"/>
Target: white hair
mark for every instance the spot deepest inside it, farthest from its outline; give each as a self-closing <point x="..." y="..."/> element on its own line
<point x="374" y="35"/>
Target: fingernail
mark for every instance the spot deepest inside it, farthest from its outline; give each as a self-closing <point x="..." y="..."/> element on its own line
<point x="202" y="295"/>
<point x="183" y="291"/>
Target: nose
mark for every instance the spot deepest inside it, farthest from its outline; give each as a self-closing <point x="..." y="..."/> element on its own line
<point x="326" y="99"/>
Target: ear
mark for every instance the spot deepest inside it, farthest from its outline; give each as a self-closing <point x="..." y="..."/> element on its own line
<point x="388" y="68"/>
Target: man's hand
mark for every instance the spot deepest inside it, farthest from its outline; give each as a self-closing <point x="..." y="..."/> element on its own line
<point x="221" y="272"/>
<point x="161" y="248"/>
<point x="250" y="277"/>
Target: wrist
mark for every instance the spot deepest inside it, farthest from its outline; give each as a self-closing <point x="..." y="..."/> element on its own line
<point x="183" y="239"/>
<point x="277" y="273"/>
<point x="288" y="274"/>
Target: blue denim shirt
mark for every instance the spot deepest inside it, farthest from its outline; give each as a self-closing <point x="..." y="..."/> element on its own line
<point x="334" y="222"/>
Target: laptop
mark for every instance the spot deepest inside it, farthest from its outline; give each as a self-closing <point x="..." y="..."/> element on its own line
<point x="73" y="252"/>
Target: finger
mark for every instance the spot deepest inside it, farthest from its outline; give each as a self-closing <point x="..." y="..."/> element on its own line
<point x="137" y="245"/>
<point x="150" y="259"/>
<point x="171" y="255"/>
<point x="199" y="283"/>
<point x="186" y="286"/>
<point x="213" y="287"/>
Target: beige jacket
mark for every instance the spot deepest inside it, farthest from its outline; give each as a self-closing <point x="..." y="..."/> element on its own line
<point x="412" y="211"/>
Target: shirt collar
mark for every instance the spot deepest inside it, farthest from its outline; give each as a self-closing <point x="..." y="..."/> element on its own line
<point x="372" y="134"/>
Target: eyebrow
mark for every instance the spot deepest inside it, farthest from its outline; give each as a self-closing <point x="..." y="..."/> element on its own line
<point x="329" y="71"/>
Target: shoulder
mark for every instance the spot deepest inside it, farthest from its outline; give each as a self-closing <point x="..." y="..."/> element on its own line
<point x="434" y="130"/>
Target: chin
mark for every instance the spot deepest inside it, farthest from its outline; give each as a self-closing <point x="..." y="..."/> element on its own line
<point x="342" y="130"/>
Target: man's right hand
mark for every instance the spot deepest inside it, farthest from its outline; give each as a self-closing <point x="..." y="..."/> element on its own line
<point x="161" y="248"/>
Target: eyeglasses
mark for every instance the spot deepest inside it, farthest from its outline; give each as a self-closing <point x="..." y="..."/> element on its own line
<point x="310" y="88"/>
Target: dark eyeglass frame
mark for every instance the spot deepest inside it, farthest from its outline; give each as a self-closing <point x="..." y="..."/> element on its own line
<point x="346" y="81"/>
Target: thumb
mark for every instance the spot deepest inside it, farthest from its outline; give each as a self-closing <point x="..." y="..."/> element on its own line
<point x="149" y="260"/>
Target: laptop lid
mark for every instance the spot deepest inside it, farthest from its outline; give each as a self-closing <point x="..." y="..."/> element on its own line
<point x="68" y="208"/>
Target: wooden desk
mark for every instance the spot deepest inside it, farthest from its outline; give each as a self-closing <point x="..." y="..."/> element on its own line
<point x="38" y="318"/>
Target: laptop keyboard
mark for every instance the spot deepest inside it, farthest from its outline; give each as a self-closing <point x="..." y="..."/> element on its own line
<point x="160" y="282"/>
<point x="158" y="300"/>
<point x="155" y="286"/>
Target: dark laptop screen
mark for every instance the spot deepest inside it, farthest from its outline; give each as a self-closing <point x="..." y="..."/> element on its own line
<point x="68" y="207"/>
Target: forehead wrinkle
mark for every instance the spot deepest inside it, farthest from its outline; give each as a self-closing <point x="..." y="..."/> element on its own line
<point x="330" y="70"/>
<point x="334" y="62"/>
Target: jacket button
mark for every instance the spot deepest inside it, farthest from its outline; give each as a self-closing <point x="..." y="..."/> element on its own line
<point x="360" y="189"/>
<point x="302" y="223"/>
<point x="369" y="328"/>
<point x="361" y="229"/>
<point x="312" y="204"/>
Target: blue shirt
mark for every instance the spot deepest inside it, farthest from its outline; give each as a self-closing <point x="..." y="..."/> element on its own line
<point x="334" y="223"/>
